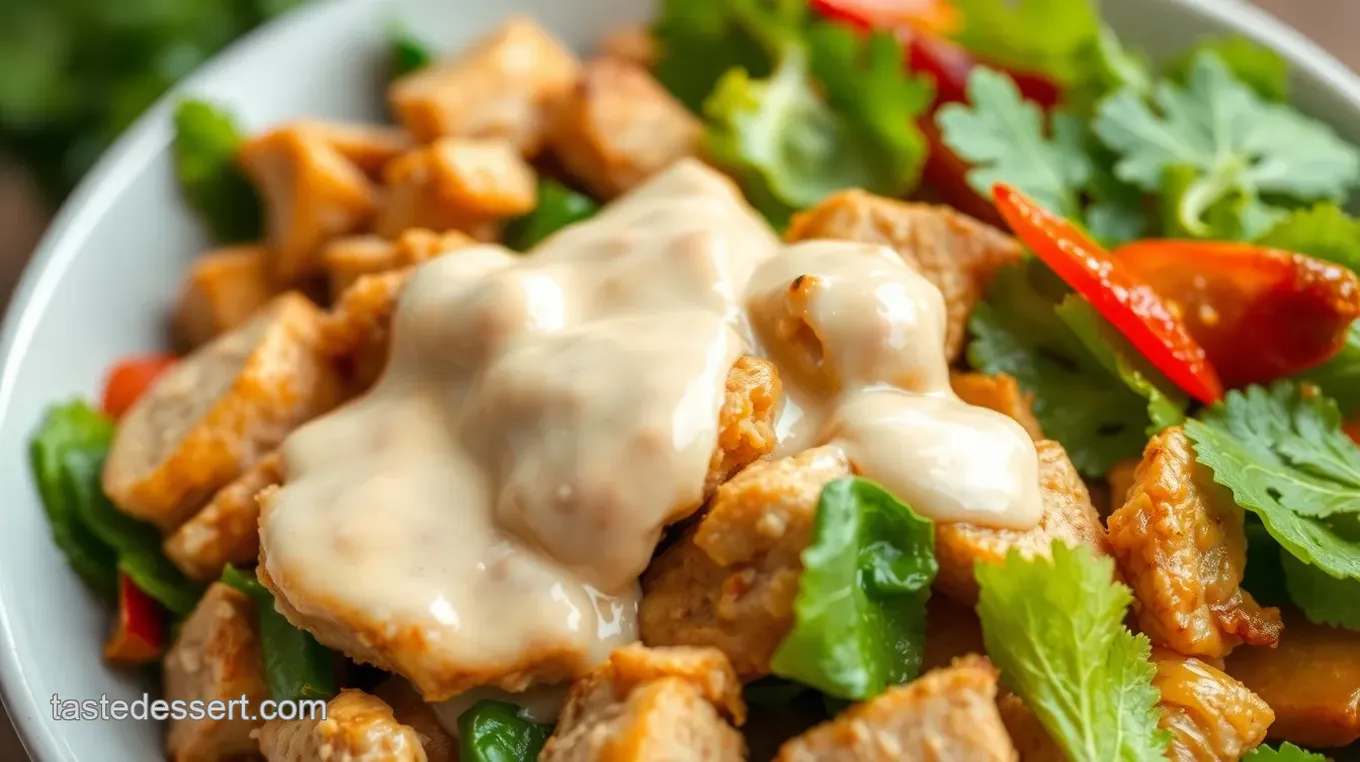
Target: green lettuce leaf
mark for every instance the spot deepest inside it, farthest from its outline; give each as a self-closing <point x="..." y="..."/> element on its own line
<point x="859" y="616"/>
<point x="494" y="731"/>
<point x="1056" y="630"/>
<point x="1256" y="66"/>
<point x="296" y="667"/>
<point x="1323" y="598"/>
<point x="408" y="52"/>
<point x="1287" y="752"/>
<point x="206" y="139"/>
<point x="1052" y="37"/>
<point x="698" y="41"/>
<point x="558" y="207"/>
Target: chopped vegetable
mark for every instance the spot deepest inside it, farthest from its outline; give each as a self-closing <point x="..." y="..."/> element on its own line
<point x="1054" y="37"/>
<point x="1056" y="630"/>
<point x="859" y="616"/>
<point x="1323" y="598"/>
<point x="1287" y="752"/>
<point x="1258" y="67"/>
<point x="1241" y="148"/>
<point x="408" y="53"/>
<point x="206" y="139"/>
<point x="1284" y="456"/>
<point x="130" y="379"/>
<point x="1323" y="231"/>
<point x="1293" y="311"/>
<point x="1131" y="307"/>
<point x="937" y="16"/>
<point x="698" y="41"/>
<point x="138" y="632"/>
<point x="494" y="731"/>
<point x="296" y="666"/>
<point x="558" y="207"/>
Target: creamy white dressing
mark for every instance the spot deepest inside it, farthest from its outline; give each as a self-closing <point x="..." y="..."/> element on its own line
<point x="543" y="417"/>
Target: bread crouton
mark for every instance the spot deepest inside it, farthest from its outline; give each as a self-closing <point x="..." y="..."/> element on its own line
<point x="955" y="252"/>
<point x="1000" y="393"/>
<point x="1210" y="715"/>
<point x="503" y="87"/>
<point x="350" y="257"/>
<point x="463" y="184"/>
<point x="215" y="656"/>
<point x="223" y="289"/>
<point x="619" y="127"/>
<point x="219" y="410"/>
<point x="946" y="714"/>
<point x="1180" y="543"/>
<point x="652" y="705"/>
<point x="227" y="529"/>
<point x="311" y="193"/>
<point x="358" y="728"/>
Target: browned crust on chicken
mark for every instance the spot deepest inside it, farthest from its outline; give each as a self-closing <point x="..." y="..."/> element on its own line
<point x="746" y="423"/>
<point x="219" y="410"/>
<point x="947" y="714"/>
<point x="1180" y="543"/>
<point x="466" y="184"/>
<point x="411" y="710"/>
<point x="358" y="728"/>
<point x="1001" y="393"/>
<point x="1210" y="715"/>
<point x="224" y="288"/>
<point x="227" y="529"/>
<point x="347" y="259"/>
<point x="648" y="705"/>
<point x="633" y="43"/>
<point x="954" y="251"/>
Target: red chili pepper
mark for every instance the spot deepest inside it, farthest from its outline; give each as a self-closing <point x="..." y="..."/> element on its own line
<point x="130" y="379"/>
<point x="1131" y="305"/>
<point x="1259" y="313"/>
<point x="137" y="637"/>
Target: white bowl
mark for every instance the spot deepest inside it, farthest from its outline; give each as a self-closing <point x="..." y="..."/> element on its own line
<point x="101" y="281"/>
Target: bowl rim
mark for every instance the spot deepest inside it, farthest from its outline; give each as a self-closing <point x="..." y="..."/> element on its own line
<point x="151" y="133"/>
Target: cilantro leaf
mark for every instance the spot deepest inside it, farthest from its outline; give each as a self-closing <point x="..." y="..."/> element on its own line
<point x="1282" y="454"/>
<point x="1049" y="36"/>
<point x="1056" y="630"/>
<point x="1287" y="752"/>
<point x="1258" y="67"/>
<point x="1323" y="598"/>
<point x="1323" y="231"/>
<point x="558" y="207"/>
<point x="1239" y="146"/>
<point x="859" y="616"/>
<point x="206" y="139"/>
<point x="698" y="41"/>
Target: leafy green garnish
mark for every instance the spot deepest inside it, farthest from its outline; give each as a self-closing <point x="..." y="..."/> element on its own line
<point x="1054" y="37"/>
<point x="494" y="731"/>
<point x="1091" y="391"/>
<point x="206" y="139"/>
<point x="1287" y="752"/>
<point x="408" y="52"/>
<point x="1056" y="630"/>
<point x="295" y="665"/>
<point x="1324" y="231"/>
<point x="1339" y="377"/>
<point x="1241" y="148"/>
<point x="558" y="207"/>
<point x="698" y="41"/>
<point x="1258" y="67"/>
<point x="1323" y="598"/>
<point x="1282" y="453"/>
<point x="859" y="616"/>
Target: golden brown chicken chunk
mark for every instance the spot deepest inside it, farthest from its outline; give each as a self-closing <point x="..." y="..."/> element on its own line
<point x="652" y="705"/>
<point x="224" y="289"/>
<point x="1180" y="543"/>
<point x="369" y="147"/>
<point x="504" y="87"/>
<point x="463" y="184"/>
<point x="358" y="728"/>
<point x="632" y="43"/>
<point x="311" y="193"/>
<point x="1121" y="480"/>
<point x="227" y="529"/>
<point x="348" y="258"/>
<point x="955" y="252"/>
<point x="412" y="711"/>
<point x="948" y="714"/>
<point x="1000" y="393"/>
<point x="1211" y="716"/>
<point x="1068" y="517"/>
<point x="216" y="656"/>
<point x="218" y="411"/>
<point x="619" y="127"/>
<point x="355" y="332"/>
<point x="1311" y="680"/>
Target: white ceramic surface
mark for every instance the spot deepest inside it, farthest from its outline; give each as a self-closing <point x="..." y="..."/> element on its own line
<point x="101" y="282"/>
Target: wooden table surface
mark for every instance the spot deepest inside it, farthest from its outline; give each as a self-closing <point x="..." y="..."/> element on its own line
<point x="1332" y="23"/>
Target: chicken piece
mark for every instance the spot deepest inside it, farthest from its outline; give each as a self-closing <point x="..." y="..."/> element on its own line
<point x="504" y="87"/>
<point x="1030" y="737"/>
<point x="1179" y="541"/>
<point x="456" y="183"/>
<point x="652" y="705"/>
<point x="1000" y="393"/>
<point x="411" y="710"/>
<point x="1121" y="481"/>
<point x="632" y="43"/>
<point x="729" y="582"/>
<point x="348" y="258"/>
<point x="368" y="146"/>
<point x="358" y="728"/>
<point x="216" y="656"/>
<point x="1212" y="717"/>
<point x="311" y="193"/>
<point x="619" y="127"/>
<point x="1311" y="679"/>
<point x="356" y="332"/>
<point x="218" y="411"/>
<point x="948" y="714"/>
<point x="955" y="252"/>
<point x="227" y="529"/>
<point x="224" y="289"/>
<point x="1068" y="517"/>
<point x="747" y="432"/>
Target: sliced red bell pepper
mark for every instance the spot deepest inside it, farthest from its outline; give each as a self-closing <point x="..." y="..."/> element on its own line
<point x="1259" y="313"/>
<point x="1131" y="305"/>
<point x="130" y="379"/>
<point x="138" y="634"/>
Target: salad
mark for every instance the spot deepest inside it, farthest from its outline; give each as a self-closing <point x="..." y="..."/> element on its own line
<point x="829" y="380"/>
